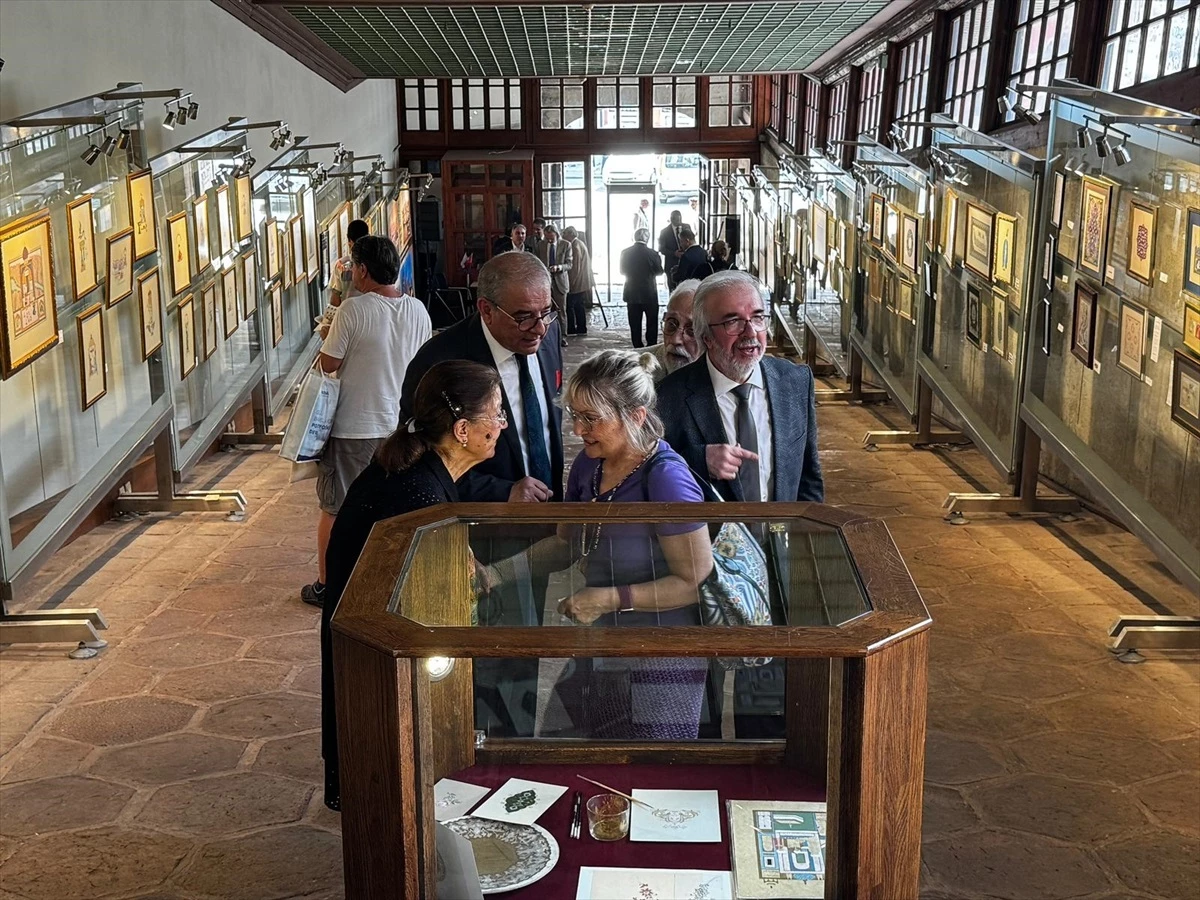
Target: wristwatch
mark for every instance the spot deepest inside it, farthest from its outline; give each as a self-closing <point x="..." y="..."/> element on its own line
<point x="625" y="593"/>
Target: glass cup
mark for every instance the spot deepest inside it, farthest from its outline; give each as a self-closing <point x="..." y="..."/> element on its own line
<point x="608" y="817"/>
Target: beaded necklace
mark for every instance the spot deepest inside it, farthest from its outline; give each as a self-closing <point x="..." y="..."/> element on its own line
<point x="597" y="476"/>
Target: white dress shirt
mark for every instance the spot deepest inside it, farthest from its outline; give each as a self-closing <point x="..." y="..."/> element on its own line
<point x="507" y="364"/>
<point x="727" y="402"/>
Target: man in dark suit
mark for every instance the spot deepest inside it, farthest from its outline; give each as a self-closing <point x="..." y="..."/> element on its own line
<point x="514" y="240"/>
<point x="557" y="257"/>
<point x="641" y="268"/>
<point x="747" y="422"/>
<point x="670" y="248"/>
<point x="694" y="261"/>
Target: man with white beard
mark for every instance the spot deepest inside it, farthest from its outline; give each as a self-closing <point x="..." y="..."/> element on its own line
<point x="679" y="346"/>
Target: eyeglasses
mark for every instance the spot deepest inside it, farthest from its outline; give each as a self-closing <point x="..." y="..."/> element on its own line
<point x="670" y="325"/>
<point x="588" y="421"/>
<point x="736" y="325"/>
<point x="529" y="322"/>
<point x="500" y="418"/>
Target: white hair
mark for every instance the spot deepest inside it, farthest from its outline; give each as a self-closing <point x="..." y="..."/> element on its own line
<point x="731" y="279"/>
<point x="616" y="383"/>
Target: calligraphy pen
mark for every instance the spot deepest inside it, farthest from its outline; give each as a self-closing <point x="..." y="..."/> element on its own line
<point x="576" y="819"/>
<point x="615" y="791"/>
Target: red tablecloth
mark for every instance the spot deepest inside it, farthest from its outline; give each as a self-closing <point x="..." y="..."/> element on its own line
<point x="730" y="782"/>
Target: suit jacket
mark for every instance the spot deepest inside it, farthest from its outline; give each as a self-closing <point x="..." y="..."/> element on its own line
<point x="640" y="266"/>
<point x="504" y="244"/>
<point x="667" y="245"/>
<point x="581" y="268"/>
<point x="693" y="264"/>
<point x="492" y="479"/>
<point x="560" y="282"/>
<point x="688" y="408"/>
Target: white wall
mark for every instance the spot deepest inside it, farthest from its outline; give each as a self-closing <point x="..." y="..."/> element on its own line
<point x="56" y="51"/>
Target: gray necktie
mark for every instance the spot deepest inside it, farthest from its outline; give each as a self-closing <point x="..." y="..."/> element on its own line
<point x="747" y="438"/>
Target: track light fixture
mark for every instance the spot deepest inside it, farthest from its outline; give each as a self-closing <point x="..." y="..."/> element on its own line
<point x="1030" y="117"/>
<point x="1121" y="154"/>
<point x="1006" y="105"/>
<point x="340" y="154"/>
<point x="1083" y="137"/>
<point x="193" y="110"/>
<point x="91" y="154"/>
<point x="1103" y="147"/>
<point x="169" y="120"/>
<point x="123" y="136"/>
<point x="109" y="145"/>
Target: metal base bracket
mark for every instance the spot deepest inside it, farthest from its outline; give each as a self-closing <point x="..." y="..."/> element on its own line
<point x="54" y="626"/>
<point x="251" y="438"/>
<point x="958" y="504"/>
<point x="825" y="395"/>
<point x="185" y="501"/>
<point x="1134" y="633"/>
<point x="914" y="438"/>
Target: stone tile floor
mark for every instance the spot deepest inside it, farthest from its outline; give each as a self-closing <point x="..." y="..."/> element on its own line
<point x="183" y="761"/>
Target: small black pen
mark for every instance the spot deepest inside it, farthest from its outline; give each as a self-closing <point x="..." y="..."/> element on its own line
<point x="576" y="822"/>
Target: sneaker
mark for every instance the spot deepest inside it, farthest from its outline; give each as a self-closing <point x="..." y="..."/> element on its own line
<point x="564" y="342"/>
<point x="313" y="594"/>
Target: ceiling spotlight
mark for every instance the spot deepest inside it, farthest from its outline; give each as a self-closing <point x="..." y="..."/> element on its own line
<point x="169" y="121"/>
<point x="123" y="138"/>
<point x="1103" y="148"/>
<point x="1006" y="105"/>
<point x="193" y="110"/>
<point x="1083" y="137"/>
<point x="109" y="145"/>
<point x="1121" y="154"/>
<point x="1031" y="118"/>
<point x="91" y="154"/>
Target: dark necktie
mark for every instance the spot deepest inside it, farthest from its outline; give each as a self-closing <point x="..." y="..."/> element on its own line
<point x="747" y="438"/>
<point x="539" y="455"/>
<point x="552" y="255"/>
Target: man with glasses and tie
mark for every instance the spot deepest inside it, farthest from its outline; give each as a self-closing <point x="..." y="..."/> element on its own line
<point x="679" y="346"/>
<point x="748" y="423"/>
<point x="558" y="258"/>
<point x="515" y="331"/>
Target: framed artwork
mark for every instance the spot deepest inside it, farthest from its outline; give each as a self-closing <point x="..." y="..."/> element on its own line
<point x="1142" y="222"/>
<point x="1185" y="392"/>
<point x="874" y="289"/>
<point x="999" y="334"/>
<point x="1048" y="260"/>
<point x="250" y="283"/>
<point x="1057" y="195"/>
<point x="30" y="321"/>
<point x="271" y="239"/>
<point x="400" y="225"/>
<point x="285" y="260"/>
<point x="93" y="377"/>
<point x="876" y="221"/>
<point x="1132" y="343"/>
<point x="343" y="227"/>
<point x="200" y="220"/>
<point x="407" y="283"/>
<point x="119" y="266"/>
<point x="81" y="229"/>
<point x="820" y="233"/>
<point x="1191" y="327"/>
<point x="276" y="315"/>
<point x="1006" y="239"/>
<point x="1093" y="226"/>
<point x="181" y="265"/>
<point x="974" y="316"/>
<point x="187" y="337"/>
<point x="904" y="304"/>
<point x="977" y="255"/>
<point x="224" y="222"/>
<point x="141" y="213"/>
<point x="245" y="215"/>
<point x="150" y="305"/>
<point x="1046" y="315"/>
<point x="949" y="224"/>
<point x="891" y="230"/>
<point x="208" y="313"/>
<point x="326" y="263"/>
<point x="308" y="205"/>
<point x="296" y="231"/>
<point x="229" y="300"/>
<point x="885" y="287"/>
<point x="1191" y="255"/>
<point x="1083" y="324"/>
<point x="910" y="240"/>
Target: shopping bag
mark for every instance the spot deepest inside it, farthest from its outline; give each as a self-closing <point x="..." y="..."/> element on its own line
<point x="312" y="417"/>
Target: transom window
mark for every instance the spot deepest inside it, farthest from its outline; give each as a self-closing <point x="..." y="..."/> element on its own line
<point x="561" y="101"/>
<point x="839" y="97"/>
<point x="485" y="104"/>
<point x="1041" y="48"/>
<point x="970" y="45"/>
<point x="618" y="103"/>
<point x="871" y="106"/>
<point x="673" y="101"/>
<point x="812" y="114"/>
<point x="421" y="107"/>
<point x="777" y="104"/>
<point x="729" y="100"/>
<point x="792" y="101"/>
<point x="564" y="194"/>
<point x="912" y="87"/>
<point x="1148" y="39"/>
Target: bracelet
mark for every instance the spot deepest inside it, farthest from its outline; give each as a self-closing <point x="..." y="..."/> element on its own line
<point x="625" y="594"/>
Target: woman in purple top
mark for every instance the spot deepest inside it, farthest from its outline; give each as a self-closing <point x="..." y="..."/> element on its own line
<point x="635" y="574"/>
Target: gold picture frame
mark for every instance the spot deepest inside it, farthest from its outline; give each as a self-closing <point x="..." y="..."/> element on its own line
<point x="891" y="231"/>
<point x="93" y="360"/>
<point x="229" y="301"/>
<point x="296" y="248"/>
<point x="308" y="203"/>
<point x="224" y="223"/>
<point x="1004" y="248"/>
<point x="276" y="315"/>
<point x="1185" y="392"/>
<point x="187" y="337"/>
<point x="1095" y="200"/>
<point x="150" y="306"/>
<point x="977" y="251"/>
<point x="119" y="265"/>
<point x="1143" y="224"/>
<point x="999" y="331"/>
<point x="245" y="208"/>
<point x="250" y="283"/>
<point x="285" y="260"/>
<point x="81" y="231"/>
<point x="876" y="221"/>
<point x="208" y="319"/>
<point x="27" y="298"/>
<point x="140" y="188"/>
<point x="1191" y="326"/>
<point x="200" y="221"/>
<point x="949" y="224"/>
<point x="1131" y="344"/>
<point x="271" y="239"/>
<point x="820" y="233"/>
<point x="343" y="228"/>
<point x="910" y="241"/>
<point x="181" y="257"/>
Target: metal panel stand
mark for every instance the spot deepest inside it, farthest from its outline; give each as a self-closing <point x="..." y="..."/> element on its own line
<point x="167" y="499"/>
<point x="810" y="354"/>
<point x="856" y="393"/>
<point x="56" y="626"/>
<point x="260" y="436"/>
<point x="924" y="435"/>
<point x="1025" y="500"/>
<point x="1133" y="633"/>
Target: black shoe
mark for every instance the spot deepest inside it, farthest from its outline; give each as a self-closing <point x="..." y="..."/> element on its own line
<point x="313" y="594"/>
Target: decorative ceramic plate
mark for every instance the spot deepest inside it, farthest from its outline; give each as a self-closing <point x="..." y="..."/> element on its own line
<point x="508" y="856"/>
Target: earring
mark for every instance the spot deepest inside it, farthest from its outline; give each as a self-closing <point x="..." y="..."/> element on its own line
<point x="464" y="443"/>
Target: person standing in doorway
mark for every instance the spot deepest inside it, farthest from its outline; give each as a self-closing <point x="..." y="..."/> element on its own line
<point x="641" y="217"/>
<point x="580" y="282"/>
<point x="641" y="267"/>
<point x="671" y="248"/>
<point x="556" y="255"/>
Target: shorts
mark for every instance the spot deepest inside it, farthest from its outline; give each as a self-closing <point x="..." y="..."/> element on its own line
<point x="342" y="460"/>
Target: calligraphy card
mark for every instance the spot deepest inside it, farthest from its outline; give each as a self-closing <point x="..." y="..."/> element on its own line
<point x="457" y="875"/>
<point x="677" y="817"/>
<point x="519" y="801"/>
<point x="452" y="799"/>
<point x="596" y="883"/>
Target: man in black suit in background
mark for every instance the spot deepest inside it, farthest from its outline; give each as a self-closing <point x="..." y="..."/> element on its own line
<point x="516" y="333"/>
<point x="641" y="268"/>
<point x="670" y="247"/>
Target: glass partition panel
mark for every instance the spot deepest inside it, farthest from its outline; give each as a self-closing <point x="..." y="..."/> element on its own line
<point x="834" y="245"/>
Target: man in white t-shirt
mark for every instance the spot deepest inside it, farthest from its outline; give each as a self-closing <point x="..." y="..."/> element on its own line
<point x="341" y="287"/>
<point x="372" y="339"/>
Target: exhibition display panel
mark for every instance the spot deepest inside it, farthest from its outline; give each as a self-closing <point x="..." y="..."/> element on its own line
<point x="621" y="701"/>
<point x="833" y="235"/>
<point x="1113" y="368"/>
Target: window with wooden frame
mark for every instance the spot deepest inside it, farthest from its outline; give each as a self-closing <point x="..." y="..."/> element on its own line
<point x="729" y="98"/>
<point x="673" y="101"/>
<point x="792" y="123"/>
<point x="776" y="121"/>
<point x="560" y="102"/>
<point x="564" y="194"/>
<point x="422" y="105"/>
<point x="912" y="85"/>
<point x="870" y="107"/>
<point x="812" y="114"/>
<point x="967" y="72"/>
<point x="618" y="103"/>
<point x="1041" y="48"/>
<point x="1149" y="39"/>
<point x="485" y="104"/>
<point x="839" y="99"/>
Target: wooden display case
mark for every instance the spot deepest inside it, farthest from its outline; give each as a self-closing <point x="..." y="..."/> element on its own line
<point x="855" y="658"/>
